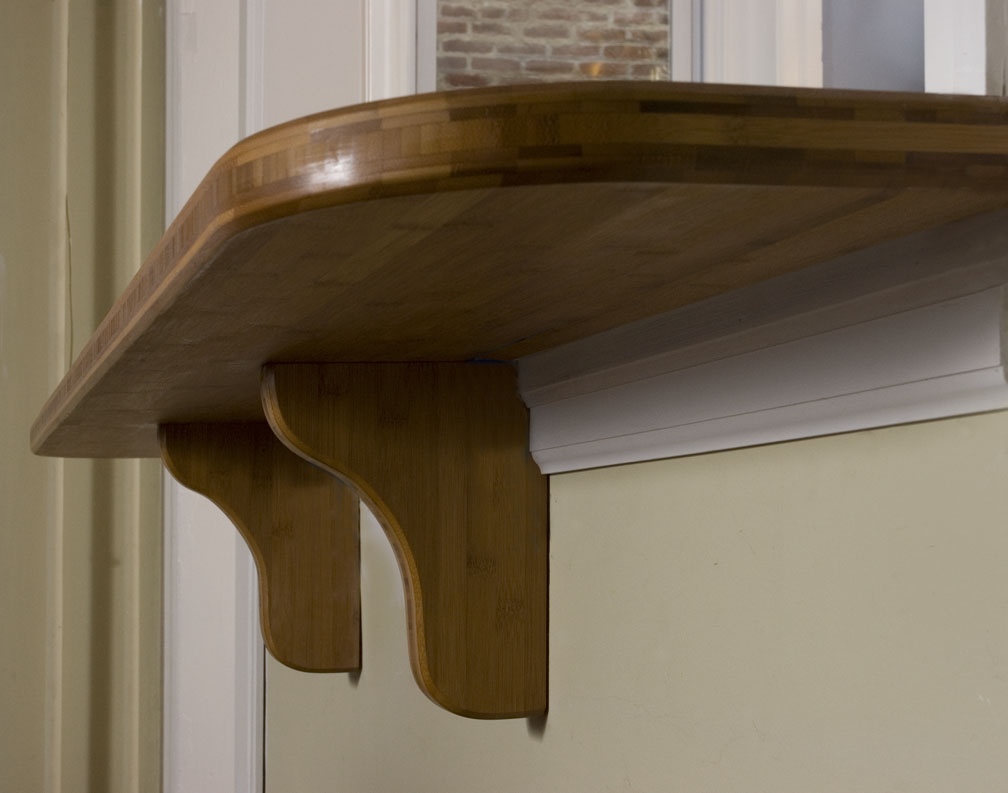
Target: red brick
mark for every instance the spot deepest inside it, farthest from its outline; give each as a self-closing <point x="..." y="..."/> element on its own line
<point x="452" y="26"/>
<point x="650" y="71"/>
<point x="603" y="69"/>
<point x="518" y="14"/>
<point x="652" y="35"/>
<point x="493" y="12"/>
<point x="495" y="64"/>
<point x="465" y="80"/>
<point x="466" y="45"/>
<point x="445" y="10"/>
<point x="521" y="49"/>
<point x="628" y="18"/>
<point x="492" y="29"/>
<point x="547" y="31"/>
<point x="566" y="13"/>
<point x="575" y="50"/>
<point x="601" y="34"/>
<point x="549" y="67"/>
<point x="628" y="52"/>
<point x="650" y="3"/>
<point x="452" y="63"/>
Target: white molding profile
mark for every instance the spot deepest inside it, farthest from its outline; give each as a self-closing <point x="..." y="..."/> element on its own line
<point x="686" y="33"/>
<point x="250" y="649"/>
<point x="425" y="46"/>
<point x="997" y="47"/>
<point x="735" y="42"/>
<point x="391" y="48"/>
<point x="226" y="64"/>
<point x="799" y="43"/>
<point x="252" y="51"/>
<point x="762" y="42"/>
<point x="213" y="655"/>
<point x="923" y="364"/>
<point x="955" y="46"/>
<point x="905" y="331"/>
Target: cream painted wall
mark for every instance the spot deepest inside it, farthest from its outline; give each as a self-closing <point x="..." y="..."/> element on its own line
<point x="110" y="681"/>
<point x="79" y="540"/>
<point x="29" y="193"/>
<point x="826" y="614"/>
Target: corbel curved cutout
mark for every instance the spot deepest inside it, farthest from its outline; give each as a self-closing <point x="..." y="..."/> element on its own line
<point x="302" y="527"/>
<point x="439" y="452"/>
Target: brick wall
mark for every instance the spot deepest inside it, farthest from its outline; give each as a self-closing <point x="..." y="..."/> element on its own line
<point x="493" y="42"/>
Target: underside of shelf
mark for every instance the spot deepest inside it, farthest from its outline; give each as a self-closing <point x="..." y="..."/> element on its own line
<point x="496" y="223"/>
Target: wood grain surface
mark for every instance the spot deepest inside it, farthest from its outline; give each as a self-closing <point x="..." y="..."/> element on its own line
<point x="302" y="526"/>
<point x="439" y="452"/>
<point x="494" y="223"/>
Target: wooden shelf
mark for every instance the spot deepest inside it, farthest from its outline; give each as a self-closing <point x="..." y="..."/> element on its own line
<point x="473" y="227"/>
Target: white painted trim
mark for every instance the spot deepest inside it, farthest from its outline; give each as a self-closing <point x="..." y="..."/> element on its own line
<point x="169" y="672"/>
<point x="763" y="42"/>
<point x="253" y="46"/>
<point x="250" y="680"/>
<point x="630" y="367"/>
<point x="173" y="159"/>
<point x="369" y="28"/>
<point x="740" y="42"/>
<point x="941" y="360"/>
<point x="173" y="80"/>
<point x="997" y="47"/>
<point x="685" y="27"/>
<point x="711" y="45"/>
<point x="955" y="46"/>
<point x="697" y="44"/>
<point x="233" y="758"/>
<point x="799" y="43"/>
<point x="426" y="46"/>
<point x="391" y="47"/>
<point x="250" y="662"/>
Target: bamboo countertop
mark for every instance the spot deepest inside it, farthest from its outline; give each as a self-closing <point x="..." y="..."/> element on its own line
<point x="494" y="223"/>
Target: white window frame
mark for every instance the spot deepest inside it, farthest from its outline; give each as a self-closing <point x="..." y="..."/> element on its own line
<point x="213" y="650"/>
<point x="955" y="46"/>
<point x="214" y="725"/>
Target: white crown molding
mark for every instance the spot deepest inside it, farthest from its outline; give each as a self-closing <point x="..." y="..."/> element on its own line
<point x="923" y="364"/>
<point x="905" y="331"/>
<point x="918" y="270"/>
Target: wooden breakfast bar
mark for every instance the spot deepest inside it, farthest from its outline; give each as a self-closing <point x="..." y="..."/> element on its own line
<point x="333" y="317"/>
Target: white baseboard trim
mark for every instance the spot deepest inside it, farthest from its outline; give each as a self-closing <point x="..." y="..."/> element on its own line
<point x="924" y="363"/>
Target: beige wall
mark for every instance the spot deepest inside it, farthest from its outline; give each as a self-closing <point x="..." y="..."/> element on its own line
<point x="828" y="615"/>
<point x="28" y="197"/>
<point x="79" y="540"/>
